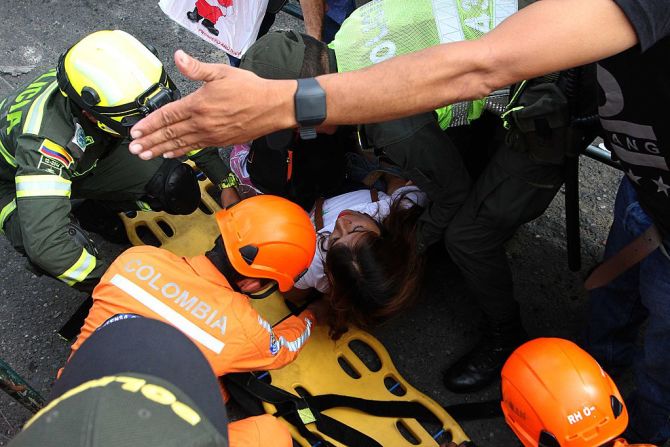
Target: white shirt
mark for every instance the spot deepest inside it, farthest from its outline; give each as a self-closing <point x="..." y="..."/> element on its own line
<point x="356" y="201"/>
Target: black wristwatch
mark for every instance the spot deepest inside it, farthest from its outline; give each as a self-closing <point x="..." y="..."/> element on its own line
<point x="310" y="107"/>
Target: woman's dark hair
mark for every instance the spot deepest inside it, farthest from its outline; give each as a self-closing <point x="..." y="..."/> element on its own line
<point x="379" y="276"/>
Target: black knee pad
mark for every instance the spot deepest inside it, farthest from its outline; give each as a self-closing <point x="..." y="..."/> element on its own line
<point x="174" y="188"/>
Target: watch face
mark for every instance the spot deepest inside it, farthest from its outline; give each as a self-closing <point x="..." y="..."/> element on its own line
<point x="310" y="103"/>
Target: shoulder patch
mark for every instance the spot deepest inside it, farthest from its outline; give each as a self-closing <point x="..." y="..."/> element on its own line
<point x="50" y="165"/>
<point x="77" y="145"/>
<point x="274" y="344"/>
<point x="53" y="151"/>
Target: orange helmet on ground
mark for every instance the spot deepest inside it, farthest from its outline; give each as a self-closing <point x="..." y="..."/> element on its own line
<point x="268" y="237"/>
<point x="554" y="394"/>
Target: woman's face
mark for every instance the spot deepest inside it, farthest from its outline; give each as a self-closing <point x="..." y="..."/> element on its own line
<point x="350" y="226"/>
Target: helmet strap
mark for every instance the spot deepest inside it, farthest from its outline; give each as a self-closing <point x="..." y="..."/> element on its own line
<point x="271" y="288"/>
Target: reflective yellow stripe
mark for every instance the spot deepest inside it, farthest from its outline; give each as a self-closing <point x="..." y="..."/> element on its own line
<point x="4" y="214"/>
<point x="42" y="185"/>
<point x="34" y="117"/>
<point x="193" y="152"/>
<point x="79" y="270"/>
<point x="143" y="206"/>
<point x="4" y="152"/>
<point x="6" y="155"/>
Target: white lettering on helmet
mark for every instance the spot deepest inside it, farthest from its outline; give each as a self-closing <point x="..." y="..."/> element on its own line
<point x="578" y="415"/>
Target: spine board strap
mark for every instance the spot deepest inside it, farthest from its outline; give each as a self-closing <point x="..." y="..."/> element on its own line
<point x="300" y="411"/>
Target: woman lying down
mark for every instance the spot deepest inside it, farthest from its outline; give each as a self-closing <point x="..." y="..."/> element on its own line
<point x="367" y="263"/>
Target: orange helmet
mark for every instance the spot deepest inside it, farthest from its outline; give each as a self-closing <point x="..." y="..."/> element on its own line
<point x="268" y="237"/>
<point x="554" y="394"/>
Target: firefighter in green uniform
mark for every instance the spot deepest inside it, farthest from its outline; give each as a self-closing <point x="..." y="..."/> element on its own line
<point x="64" y="136"/>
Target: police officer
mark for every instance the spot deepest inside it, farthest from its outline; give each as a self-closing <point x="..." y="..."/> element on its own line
<point x="64" y="136"/>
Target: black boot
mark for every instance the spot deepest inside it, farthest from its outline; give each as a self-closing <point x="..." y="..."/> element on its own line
<point x="482" y="365"/>
<point x="193" y="16"/>
<point x="210" y="26"/>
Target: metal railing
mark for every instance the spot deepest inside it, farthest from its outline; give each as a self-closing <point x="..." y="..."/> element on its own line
<point x="14" y="385"/>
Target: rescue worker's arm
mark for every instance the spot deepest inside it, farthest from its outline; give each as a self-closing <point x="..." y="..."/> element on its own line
<point x="217" y="172"/>
<point x="43" y="206"/>
<point x="557" y="34"/>
<point x="270" y="347"/>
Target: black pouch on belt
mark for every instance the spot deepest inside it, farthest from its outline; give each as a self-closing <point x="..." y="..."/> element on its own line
<point x="537" y="120"/>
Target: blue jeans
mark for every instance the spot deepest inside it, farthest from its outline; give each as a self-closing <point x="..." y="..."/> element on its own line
<point x="617" y="312"/>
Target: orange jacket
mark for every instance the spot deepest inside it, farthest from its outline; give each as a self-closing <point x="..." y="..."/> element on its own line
<point x="259" y="431"/>
<point x="192" y="295"/>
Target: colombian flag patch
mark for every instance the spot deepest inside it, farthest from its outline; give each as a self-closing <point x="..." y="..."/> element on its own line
<point x="55" y="152"/>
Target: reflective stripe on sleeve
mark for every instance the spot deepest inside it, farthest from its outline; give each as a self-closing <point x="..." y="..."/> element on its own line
<point x="5" y="212"/>
<point x="42" y="185"/>
<point x="6" y="155"/>
<point x="33" y="121"/>
<point x="293" y="345"/>
<point x="79" y="270"/>
<point x="193" y="152"/>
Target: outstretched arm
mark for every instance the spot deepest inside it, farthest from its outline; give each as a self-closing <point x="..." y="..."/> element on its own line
<point x="547" y="36"/>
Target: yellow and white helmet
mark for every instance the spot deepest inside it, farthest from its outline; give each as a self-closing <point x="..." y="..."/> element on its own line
<point x="116" y="78"/>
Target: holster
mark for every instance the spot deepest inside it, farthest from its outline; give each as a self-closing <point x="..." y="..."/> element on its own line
<point x="539" y="121"/>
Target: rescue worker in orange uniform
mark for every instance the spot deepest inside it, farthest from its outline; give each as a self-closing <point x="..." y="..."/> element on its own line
<point x="554" y="394"/>
<point x="266" y="243"/>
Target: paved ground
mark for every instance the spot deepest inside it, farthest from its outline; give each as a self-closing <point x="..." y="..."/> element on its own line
<point x="32" y="35"/>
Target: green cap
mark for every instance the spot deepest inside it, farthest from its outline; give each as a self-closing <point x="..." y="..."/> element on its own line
<point x="134" y="382"/>
<point x="277" y="55"/>
<point x="101" y="413"/>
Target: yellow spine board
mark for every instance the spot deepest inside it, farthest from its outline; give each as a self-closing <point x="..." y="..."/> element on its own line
<point x="318" y="369"/>
<point x="192" y="235"/>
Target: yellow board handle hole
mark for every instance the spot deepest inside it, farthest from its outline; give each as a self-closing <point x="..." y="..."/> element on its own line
<point x="394" y="386"/>
<point x="407" y="433"/>
<point x="147" y="236"/>
<point x="205" y="209"/>
<point x="366" y="354"/>
<point x="348" y="368"/>
<point x="166" y="227"/>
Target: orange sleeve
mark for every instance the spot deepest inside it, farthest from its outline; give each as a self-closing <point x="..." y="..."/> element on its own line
<point x="259" y="431"/>
<point x="271" y="347"/>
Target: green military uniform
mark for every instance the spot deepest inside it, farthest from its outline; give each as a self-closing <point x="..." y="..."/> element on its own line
<point x="51" y="153"/>
<point x="427" y="157"/>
